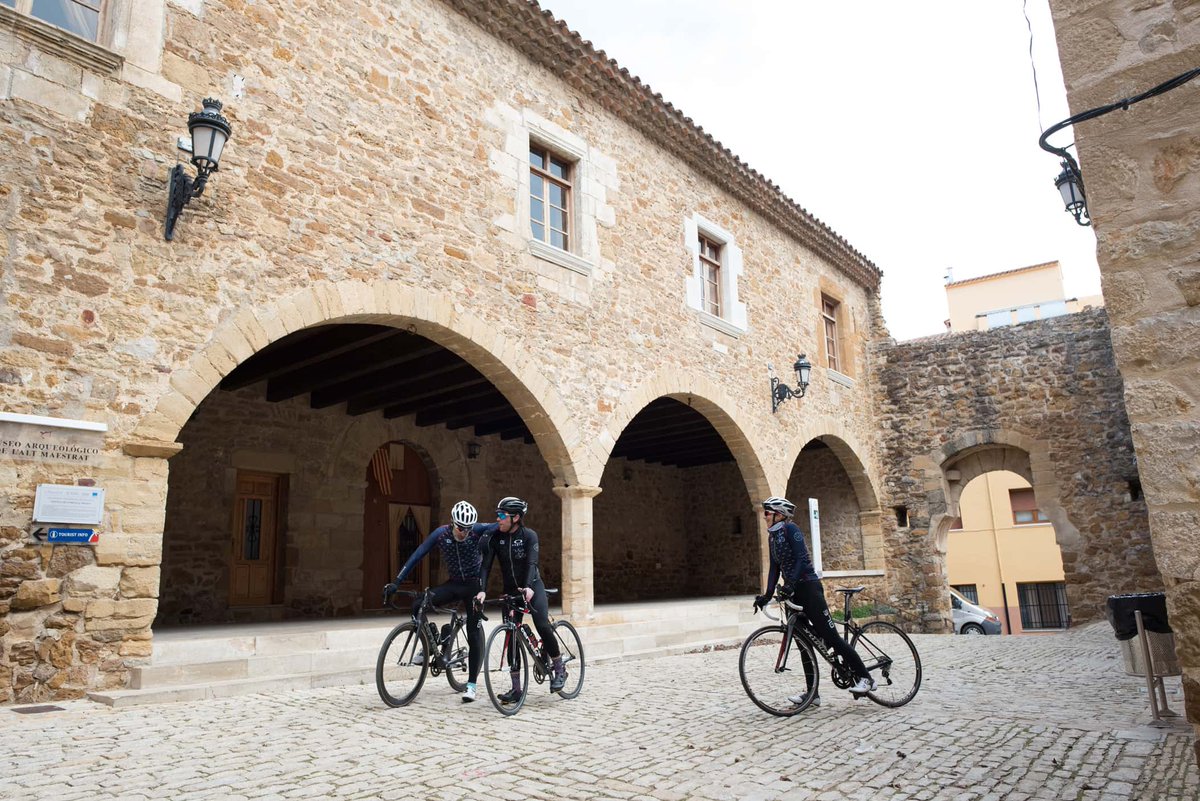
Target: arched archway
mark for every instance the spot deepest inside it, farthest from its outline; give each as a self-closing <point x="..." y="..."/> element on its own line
<point x="310" y="407"/>
<point x="966" y="461"/>
<point x="675" y="517"/>
<point x="386" y="303"/>
<point x="829" y="472"/>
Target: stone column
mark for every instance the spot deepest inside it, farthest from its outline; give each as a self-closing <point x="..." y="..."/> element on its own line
<point x="577" y="594"/>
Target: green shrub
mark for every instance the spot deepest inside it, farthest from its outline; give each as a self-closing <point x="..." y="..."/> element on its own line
<point x="859" y="611"/>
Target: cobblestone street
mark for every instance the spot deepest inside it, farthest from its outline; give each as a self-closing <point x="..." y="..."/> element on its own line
<point x="1051" y="717"/>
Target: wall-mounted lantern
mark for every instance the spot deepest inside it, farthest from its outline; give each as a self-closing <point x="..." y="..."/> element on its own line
<point x="781" y="392"/>
<point x="210" y="131"/>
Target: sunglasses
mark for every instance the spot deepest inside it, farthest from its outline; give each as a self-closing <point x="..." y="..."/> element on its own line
<point x="501" y="515"/>
<point x="464" y="529"/>
<point x="768" y="514"/>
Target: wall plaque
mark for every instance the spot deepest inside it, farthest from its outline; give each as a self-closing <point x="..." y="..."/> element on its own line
<point x="63" y="503"/>
<point x="29" y="438"/>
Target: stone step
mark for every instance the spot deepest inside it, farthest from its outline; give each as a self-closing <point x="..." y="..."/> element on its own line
<point x="223" y="689"/>
<point x="196" y="664"/>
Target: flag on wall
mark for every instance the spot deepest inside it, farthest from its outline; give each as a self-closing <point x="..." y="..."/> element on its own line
<point x="381" y="466"/>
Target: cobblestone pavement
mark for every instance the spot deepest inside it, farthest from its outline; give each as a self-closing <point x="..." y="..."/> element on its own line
<point x="1051" y="717"/>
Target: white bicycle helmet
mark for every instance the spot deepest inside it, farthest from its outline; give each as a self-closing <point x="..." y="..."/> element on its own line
<point x="464" y="514"/>
<point x="780" y="506"/>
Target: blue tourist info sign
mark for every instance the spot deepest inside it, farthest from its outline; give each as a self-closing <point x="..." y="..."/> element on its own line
<point x="81" y="536"/>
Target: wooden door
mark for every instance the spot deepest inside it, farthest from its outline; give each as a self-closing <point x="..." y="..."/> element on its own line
<point x="254" y="560"/>
<point x="396" y="519"/>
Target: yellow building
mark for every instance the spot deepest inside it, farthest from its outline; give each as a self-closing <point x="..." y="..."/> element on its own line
<point x="1011" y="297"/>
<point x="1002" y="553"/>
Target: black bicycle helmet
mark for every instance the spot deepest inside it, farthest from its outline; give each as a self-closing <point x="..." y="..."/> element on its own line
<point x="512" y="506"/>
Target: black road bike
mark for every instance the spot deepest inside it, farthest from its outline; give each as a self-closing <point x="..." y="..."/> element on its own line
<point x="416" y="648"/>
<point x="516" y="649"/>
<point x="770" y="655"/>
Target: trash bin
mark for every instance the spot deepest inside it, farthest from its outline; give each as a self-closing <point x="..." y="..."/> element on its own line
<point x="1159" y="637"/>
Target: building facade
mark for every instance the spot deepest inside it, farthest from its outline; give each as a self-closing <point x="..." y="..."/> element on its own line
<point x="451" y="252"/>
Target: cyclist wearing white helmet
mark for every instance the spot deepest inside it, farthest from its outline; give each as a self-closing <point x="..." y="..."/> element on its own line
<point x="790" y="559"/>
<point x="516" y="548"/>
<point x="460" y="543"/>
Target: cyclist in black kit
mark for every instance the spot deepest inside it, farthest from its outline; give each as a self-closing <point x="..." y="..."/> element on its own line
<point x="461" y="553"/>
<point x="516" y="547"/>
<point x="789" y="559"/>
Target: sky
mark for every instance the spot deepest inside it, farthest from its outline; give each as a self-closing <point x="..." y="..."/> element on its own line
<point x="909" y="128"/>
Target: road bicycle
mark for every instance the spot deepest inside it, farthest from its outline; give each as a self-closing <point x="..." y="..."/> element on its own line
<point x="769" y="655"/>
<point x="514" y="648"/>
<point x="404" y="659"/>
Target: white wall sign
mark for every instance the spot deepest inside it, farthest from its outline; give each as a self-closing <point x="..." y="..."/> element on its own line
<point x="814" y="526"/>
<point x="33" y="438"/>
<point x="63" y="503"/>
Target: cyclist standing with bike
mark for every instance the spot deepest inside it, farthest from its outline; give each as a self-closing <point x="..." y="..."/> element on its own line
<point x="790" y="559"/>
<point x="460" y="544"/>
<point x="516" y="547"/>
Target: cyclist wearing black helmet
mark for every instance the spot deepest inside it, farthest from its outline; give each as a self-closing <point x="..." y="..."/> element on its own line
<point x="460" y="544"/>
<point x="789" y="558"/>
<point x="516" y="547"/>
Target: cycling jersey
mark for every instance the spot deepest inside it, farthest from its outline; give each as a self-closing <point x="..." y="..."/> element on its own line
<point x="462" y="559"/>
<point x="789" y="556"/>
<point x="518" y="554"/>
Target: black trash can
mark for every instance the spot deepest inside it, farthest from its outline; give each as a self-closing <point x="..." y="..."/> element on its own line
<point x="1159" y="637"/>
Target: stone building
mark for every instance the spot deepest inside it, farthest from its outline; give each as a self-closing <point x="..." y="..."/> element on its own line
<point x="364" y="276"/>
<point x="451" y="252"/>
<point x="1141" y="168"/>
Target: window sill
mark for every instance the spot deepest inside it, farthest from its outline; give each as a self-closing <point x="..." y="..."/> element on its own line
<point x="56" y="41"/>
<point x="560" y="257"/>
<point x="840" y="378"/>
<point x="720" y="324"/>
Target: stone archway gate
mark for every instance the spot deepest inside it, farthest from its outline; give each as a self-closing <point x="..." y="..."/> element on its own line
<point x="1043" y="399"/>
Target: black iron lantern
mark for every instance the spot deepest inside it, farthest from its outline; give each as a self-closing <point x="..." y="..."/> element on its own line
<point x="1070" y="186"/>
<point x="781" y="392"/>
<point x="210" y="131"/>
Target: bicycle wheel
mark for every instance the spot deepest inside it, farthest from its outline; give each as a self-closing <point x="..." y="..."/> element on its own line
<point x="504" y="657"/>
<point x="398" y="673"/>
<point x="457" y="655"/>
<point x="571" y="649"/>
<point x="780" y="680"/>
<point x="892" y="660"/>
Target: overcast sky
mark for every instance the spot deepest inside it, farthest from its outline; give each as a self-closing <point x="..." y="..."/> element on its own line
<point x="909" y="128"/>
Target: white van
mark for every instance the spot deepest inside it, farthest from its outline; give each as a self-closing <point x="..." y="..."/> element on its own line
<point x="971" y="619"/>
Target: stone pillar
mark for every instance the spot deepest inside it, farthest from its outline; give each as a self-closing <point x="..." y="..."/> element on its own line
<point x="1142" y="173"/>
<point x="577" y="563"/>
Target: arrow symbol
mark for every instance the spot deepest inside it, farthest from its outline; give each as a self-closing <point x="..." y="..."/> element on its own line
<point x="39" y="533"/>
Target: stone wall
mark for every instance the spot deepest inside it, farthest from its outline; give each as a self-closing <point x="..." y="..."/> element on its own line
<point x="819" y="474"/>
<point x="670" y="532"/>
<point x="1043" y="399"/>
<point x="1141" y="168"/>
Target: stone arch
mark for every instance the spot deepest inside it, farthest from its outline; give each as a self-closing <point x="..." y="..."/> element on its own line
<point x="701" y="394"/>
<point x="430" y="315"/>
<point x="846" y="448"/>
<point x="974" y="453"/>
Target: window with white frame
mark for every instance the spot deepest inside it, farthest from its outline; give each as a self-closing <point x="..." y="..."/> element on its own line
<point x="711" y="285"/>
<point x="80" y="17"/>
<point x="550" y="217"/>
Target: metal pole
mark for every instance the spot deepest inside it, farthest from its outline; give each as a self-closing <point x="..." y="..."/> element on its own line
<point x="1148" y="663"/>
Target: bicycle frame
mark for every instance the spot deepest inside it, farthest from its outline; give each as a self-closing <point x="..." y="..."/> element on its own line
<point x="517" y="605"/>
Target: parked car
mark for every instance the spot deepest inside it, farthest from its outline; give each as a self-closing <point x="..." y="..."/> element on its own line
<point x="970" y="618"/>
